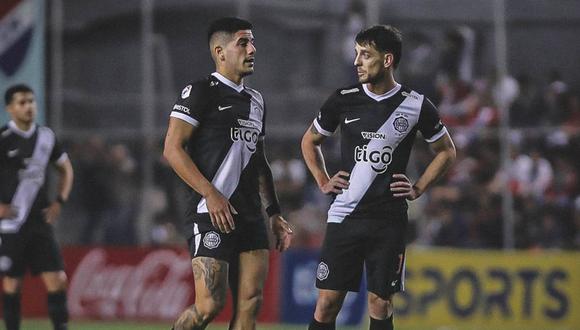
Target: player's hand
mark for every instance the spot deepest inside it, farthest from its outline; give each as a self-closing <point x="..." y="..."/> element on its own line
<point x="220" y="211"/>
<point x="52" y="212"/>
<point x="7" y="211"/>
<point x="336" y="184"/>
<point x="282" y="231"/>
<point x="401" y="186"/>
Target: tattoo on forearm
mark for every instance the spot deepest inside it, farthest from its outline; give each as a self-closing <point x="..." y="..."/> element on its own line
<point x="266" y="181"/>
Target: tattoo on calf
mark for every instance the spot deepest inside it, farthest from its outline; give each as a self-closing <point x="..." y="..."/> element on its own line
<point x="190" y="319"/>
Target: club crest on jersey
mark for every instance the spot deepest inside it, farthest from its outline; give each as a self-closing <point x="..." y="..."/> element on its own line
<point x="379" y="160"/>
<point x="247" y="135"/>
<point x="211" y="240"/>
<point x="185" y="92"/>
<point x="322" y="271"/>
<point x="401" y="124"/>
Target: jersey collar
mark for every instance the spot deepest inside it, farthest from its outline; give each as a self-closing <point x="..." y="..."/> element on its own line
<point x="228" y="82"/>
<point x="24" y="134"/>
<point x="381" y="97"/>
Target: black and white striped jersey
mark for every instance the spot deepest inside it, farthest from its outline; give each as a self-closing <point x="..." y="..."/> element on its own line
<point x="230" y="121"/>
<point x="377" y="134"/>
<point x="24" y="159"/>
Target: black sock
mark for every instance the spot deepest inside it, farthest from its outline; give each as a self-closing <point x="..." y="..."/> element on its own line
<point x="11" y="310"/>
<point x="315" y="325"/>
<point x="386" y="324"/>
<point x="57" y="310"/>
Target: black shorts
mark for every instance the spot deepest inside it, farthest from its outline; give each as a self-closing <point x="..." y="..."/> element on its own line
<point x="378" y="244"/>
<point x="207" y="241"/>
<point x="34" y="247"/>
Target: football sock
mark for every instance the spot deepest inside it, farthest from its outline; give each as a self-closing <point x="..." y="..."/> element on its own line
<point x="315" y="325"/>
<point x="386" y="324"/>
<point x="11" y="310"/>
<point x="57" y="310"/>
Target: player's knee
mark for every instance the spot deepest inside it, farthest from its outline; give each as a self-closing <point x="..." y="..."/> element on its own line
<point x="251" y="303"/>
<point x="11" y="289"/>
<point x="380" y="307"/>
<point x="210" y="308"/>
<point x="60" y="285"/>
<point x="327" y="308"/>
<point x="55" y="281"/>
<point x="11" y="285"/>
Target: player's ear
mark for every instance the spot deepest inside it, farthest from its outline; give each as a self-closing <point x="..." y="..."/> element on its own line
<point x="218" y="53"/>
<point x="388" y="60"/>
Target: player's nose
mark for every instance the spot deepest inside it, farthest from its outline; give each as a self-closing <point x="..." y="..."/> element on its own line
<point x="252" y="49"/>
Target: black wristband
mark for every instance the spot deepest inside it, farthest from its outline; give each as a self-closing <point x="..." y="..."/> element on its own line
<point x="60" y="200"/>
<point x="273" y="209"/>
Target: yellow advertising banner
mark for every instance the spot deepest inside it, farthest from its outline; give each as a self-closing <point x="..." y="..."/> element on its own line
<point x="477" y="289"/>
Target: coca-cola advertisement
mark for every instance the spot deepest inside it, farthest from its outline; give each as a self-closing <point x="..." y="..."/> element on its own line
<point x="135" y="284"/>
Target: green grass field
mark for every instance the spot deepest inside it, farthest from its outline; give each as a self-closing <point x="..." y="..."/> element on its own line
<point x="102" y="325"/>
<point x="86" y="325"/>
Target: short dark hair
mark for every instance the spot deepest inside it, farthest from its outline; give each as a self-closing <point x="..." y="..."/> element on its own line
<point x="227" y="24"/>
<point x="384" y="38"/>
<point x="20" y="88"/>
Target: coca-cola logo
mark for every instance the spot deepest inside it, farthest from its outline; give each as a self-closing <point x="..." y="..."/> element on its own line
<point x="159" y="286"/>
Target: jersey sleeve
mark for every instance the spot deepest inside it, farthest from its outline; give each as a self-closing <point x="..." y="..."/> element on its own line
<point x="328" y="118"/>
<point x="430" y="124"/>
<point x="190" y="104"/>
<point x="58" y="155"/>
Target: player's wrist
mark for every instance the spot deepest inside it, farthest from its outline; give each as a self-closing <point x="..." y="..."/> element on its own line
<point x="211" y="190"/>
<point x="322" y="183"/>
<point x="273" y="210"/>
<point x="60" y="200"/>
<point x="418" y="191"/>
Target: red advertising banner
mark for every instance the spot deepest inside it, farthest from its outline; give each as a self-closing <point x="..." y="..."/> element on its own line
<point x="135" y="283"/>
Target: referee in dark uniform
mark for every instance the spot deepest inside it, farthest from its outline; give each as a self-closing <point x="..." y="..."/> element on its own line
<point x="215" y="143"/>
<point x="27" y="216"/>
<point x="367" y="221"/>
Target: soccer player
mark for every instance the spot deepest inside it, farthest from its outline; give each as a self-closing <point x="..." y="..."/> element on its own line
<point x="26" y="216"/>
<point x="367" y="219"/>
<point x="215" y="143"/>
